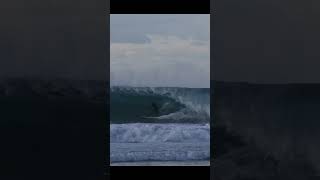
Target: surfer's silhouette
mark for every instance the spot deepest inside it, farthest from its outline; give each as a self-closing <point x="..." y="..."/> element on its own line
<point x="155" y="108"/>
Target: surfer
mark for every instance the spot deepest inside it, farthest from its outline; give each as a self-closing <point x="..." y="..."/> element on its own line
<point x="155" y="108"/>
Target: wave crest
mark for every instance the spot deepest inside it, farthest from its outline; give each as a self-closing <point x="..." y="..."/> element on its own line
<point x="179" y="104"/>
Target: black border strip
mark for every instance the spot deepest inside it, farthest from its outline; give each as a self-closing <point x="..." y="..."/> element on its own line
<point x="163" y="172"/>
<point x="212" y="114"/>
<point x="160" y="6"/>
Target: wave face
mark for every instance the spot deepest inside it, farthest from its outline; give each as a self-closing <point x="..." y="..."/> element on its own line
<point x="159" y="105"/>
<point x="159" y="142"/>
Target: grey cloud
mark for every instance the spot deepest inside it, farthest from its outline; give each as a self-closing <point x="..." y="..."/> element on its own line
<point x="176" y="51"/>
<point x="133" y="28"/>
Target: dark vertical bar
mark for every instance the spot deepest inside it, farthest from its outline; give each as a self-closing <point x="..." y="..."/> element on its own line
<point x="212" y="94"/>
<point x="53" y="74"/>
<point x="266" y="89"/>
<point x="107" y="124"/>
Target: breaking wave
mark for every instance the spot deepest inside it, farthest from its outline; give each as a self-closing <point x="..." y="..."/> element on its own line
<point x="147" y="104"/>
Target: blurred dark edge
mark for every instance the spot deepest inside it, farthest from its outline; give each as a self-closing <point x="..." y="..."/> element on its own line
<point x="53" y="89"/>
<point x="265" y="89"/>
<point x="265" y="131"/>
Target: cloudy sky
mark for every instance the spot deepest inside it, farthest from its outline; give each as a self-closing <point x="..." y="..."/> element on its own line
<point x="160" y="50"/>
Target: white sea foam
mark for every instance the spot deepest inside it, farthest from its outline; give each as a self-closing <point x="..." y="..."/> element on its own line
<point x="159" y="142"/>
<point x="147" y="132"/>
<point x="132" y="152"/>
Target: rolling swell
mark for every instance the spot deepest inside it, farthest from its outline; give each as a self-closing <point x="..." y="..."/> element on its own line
<point x="159" y="105"/>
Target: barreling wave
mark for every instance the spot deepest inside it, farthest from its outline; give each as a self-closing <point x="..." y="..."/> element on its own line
<point x="159" y="105"/>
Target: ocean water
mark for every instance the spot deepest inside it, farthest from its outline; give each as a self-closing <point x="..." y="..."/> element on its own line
<point x="150" y="125"/>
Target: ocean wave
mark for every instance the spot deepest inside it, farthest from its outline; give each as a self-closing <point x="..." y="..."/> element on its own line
<point x="148" y="104"/>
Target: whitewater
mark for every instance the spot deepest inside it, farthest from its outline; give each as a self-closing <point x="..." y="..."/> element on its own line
<point x="178" y="132"/>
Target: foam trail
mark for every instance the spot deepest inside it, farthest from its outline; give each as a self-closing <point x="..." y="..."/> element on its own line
<point x="159" y="142"/>
<point x="145" y="132"/>
<point x="133" y="152"/>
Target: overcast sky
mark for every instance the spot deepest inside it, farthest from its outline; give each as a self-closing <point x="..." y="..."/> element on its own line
<point x="160" y="50"/>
